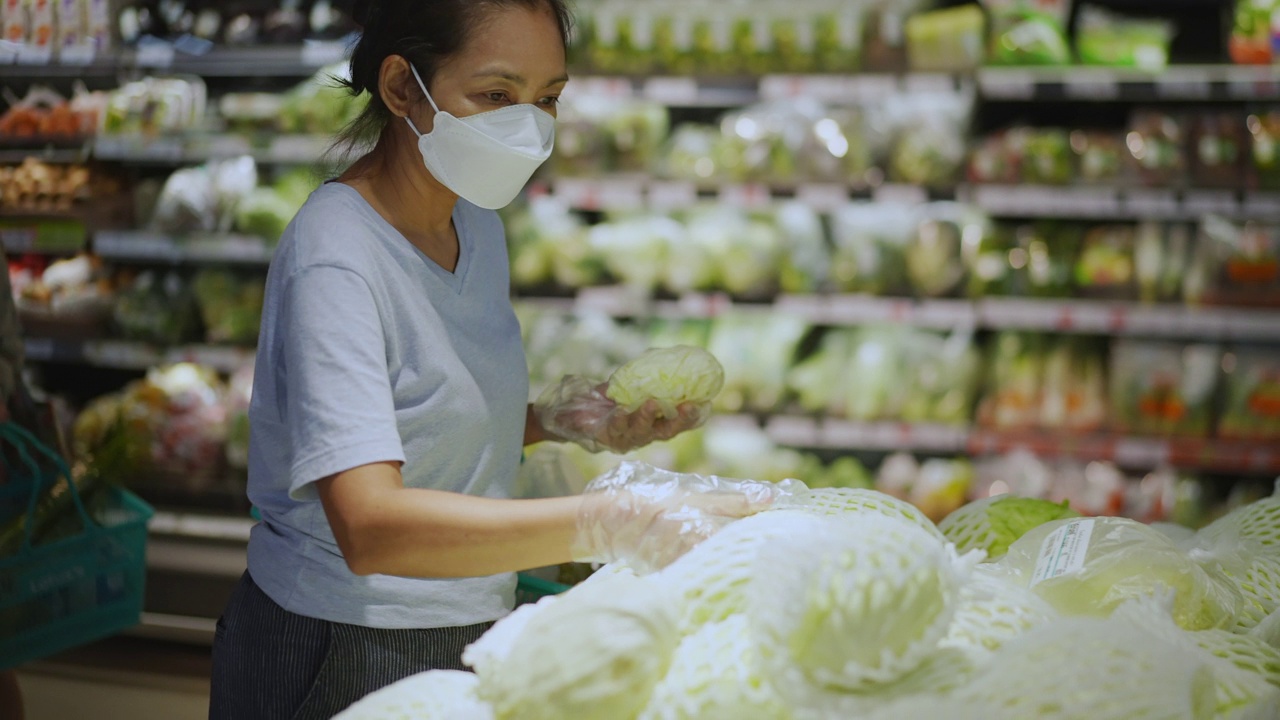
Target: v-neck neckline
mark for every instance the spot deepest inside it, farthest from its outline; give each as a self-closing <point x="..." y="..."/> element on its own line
<point x="456" y="279"/>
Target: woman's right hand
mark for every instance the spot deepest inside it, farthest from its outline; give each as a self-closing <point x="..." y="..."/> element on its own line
<point x="649" y="517"/>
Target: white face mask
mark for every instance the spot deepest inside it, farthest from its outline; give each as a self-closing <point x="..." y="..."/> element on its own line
<point x="486" y="158"/>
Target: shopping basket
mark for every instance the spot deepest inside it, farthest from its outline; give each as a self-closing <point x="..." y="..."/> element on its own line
<point x="530" y="589"/>
<point x="73" y="590"/>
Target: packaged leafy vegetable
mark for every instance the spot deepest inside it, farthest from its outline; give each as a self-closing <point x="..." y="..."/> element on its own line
<point x="1108" y="38"/>
<point x="1163" y="388"/>
<point x="1022" y="33"/>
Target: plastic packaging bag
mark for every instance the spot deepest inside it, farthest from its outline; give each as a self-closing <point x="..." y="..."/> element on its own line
<point x="648" y="517"/>
<point x="1090" y="566"/>
<point x="1109" y="38"/>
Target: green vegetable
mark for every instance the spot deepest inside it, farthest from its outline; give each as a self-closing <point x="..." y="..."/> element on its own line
<point x="1026" y="37"/>
<point x="993" y="524"/>
<point x="670" y="376"/>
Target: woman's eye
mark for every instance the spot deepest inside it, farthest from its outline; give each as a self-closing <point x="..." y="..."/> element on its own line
<point x="497" y="97"/>
<point x="551" y="101"/>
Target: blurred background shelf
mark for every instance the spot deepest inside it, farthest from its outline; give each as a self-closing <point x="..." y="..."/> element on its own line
<point x="126" y="355"/>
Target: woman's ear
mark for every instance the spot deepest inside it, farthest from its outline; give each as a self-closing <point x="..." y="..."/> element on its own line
<point x="398" y="88"/>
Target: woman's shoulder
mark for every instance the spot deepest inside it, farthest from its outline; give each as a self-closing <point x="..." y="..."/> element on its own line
<point x="334" y="227"/>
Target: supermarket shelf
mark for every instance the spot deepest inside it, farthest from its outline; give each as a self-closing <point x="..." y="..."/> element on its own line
<point x="1131" y="452"/>
<point x="54" y="154"/>
<point x="194" y="57"/>
<point x="1089" y="84"/>
<point x="126" y="355"/>
<point x="158" y="247"/>
<point x="633" y="192"/>
<point x="1083" y="317"/>
<point x="201" y="526"/>
<point x="193" y="148"/>
<point x="1118" y="203"/>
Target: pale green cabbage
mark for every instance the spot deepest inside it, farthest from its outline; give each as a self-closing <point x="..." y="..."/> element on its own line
<point x="669" y="376"/>
<point x="857" y="501"/>
<point x="1122" y="560"/>
<point x="434" y="695"/>
<point x="850" y="604"/>
<point x="992" y="524"/>
<point x="994" y="609"/>
<point x="595" y="653"/>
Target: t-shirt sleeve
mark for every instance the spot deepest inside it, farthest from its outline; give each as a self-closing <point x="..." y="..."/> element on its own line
<point x="339" y="406"/>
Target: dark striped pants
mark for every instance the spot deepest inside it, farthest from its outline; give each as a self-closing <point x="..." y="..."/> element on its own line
<point x="271" y="664"/>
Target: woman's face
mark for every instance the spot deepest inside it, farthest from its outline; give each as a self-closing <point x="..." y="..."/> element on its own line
<point x="515" y="56"/>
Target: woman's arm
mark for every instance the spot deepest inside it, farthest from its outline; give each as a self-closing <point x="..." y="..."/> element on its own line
<point x="383" y="527"/>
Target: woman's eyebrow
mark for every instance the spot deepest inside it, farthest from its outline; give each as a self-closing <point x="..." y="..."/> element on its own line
<point x="515" y="77"/>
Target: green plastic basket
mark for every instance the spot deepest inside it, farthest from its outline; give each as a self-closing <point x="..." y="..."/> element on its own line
<point x="530" y="589"/>
<point x="72" y="591"/>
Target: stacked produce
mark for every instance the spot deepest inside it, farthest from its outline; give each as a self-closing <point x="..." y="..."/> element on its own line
<point x="849" y="603"/>
<point x="44" y="116"/>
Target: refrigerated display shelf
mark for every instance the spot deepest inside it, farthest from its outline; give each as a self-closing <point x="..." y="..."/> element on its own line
<point x="140" y="246"/>
<point x="1201" y="83"/>
<point x="193" y="57"/>
<point x="1015" y="201"/>
<point x="1205" y="454"/>
<point x="129" y="355"/>
<point x="1082" y="317"/>
<point x="200" y="147"/>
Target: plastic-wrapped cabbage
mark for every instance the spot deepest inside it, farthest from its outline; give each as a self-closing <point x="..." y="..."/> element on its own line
<point x="992" y="524"/>
<point x="1090" y="669"/>
<point x="858" y="501"/>
<point x="806" y="263"/>
<point x="756" y="351"/>
<point x="265" y="213"/>
<point x="596" y="653"/>
<point x="1090" y="566"/>
<point x="994" y="609"/>
<point x="1259" y="583"/>
<point x="713" y="578"/>
<point x="487" y="655"/>
<point x="876" y="373"/>
<point x="847" y="605"/>
<point x="716" y="674"/>
<point x="870" y="247"/>
<point x="931" y="682"/>
<point x="1246" y="670"/>
<point x="818" y="380"/>
<point x="670" y="376"/>
<point x="434" y="695"/>
<point x="635" y="249"/>
<point x="935" y="255"/>
<point x="943" y="376"/>
<point x="1257" y="522"/>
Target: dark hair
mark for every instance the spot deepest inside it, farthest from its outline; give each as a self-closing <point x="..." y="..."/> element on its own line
<point x="424" y="32"/>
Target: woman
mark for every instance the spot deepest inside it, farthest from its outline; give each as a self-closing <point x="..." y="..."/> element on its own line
<point x="390" y="409"/>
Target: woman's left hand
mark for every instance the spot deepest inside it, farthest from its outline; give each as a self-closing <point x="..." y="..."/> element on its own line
<point x="580" y="411"/>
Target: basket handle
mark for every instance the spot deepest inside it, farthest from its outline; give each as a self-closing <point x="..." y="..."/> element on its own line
<point x="23" y="440"/>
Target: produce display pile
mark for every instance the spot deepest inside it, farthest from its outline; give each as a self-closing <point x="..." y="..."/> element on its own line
<point x="775" y="363"/>
<point x="850" y="603"/>
<point x="926" y="250"/>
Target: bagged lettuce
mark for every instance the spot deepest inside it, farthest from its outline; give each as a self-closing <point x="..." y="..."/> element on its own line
<point x="992" y="524"/>
<point x="1090" y="566"/>
<point x="671" y="376"/>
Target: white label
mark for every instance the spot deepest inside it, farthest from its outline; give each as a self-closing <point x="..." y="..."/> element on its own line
<point x="155" y="55"/>
<point x="1063" y="552"/>
<point x="319" y="54"/>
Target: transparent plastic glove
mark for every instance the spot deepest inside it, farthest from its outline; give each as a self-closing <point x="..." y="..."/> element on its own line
<point x="648" y="517"/>
<point x="579" y="410"/>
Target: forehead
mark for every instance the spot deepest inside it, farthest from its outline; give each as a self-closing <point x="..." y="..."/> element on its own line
<point x="523" y="40"/>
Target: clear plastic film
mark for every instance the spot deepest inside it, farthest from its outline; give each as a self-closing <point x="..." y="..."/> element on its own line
<point x="648" y="517"/>
<point x="656" y="396"/>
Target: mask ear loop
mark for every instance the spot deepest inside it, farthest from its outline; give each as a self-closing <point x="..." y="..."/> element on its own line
<point x="422" y="85"/>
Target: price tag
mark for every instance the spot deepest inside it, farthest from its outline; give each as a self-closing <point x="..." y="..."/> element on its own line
<point x="621" y="194"/>
<point x="791" y="430"/>
<point x="154" y="54"/>
<point x="298" y="149"/>
<point x="1184" y="84"/>
<point x="1204" y="202"/>
<point x="928" y="83"/>
<point x="823" y="197"/>
<point x="577" y="193"/>
<point x="672" y="90"/>
<point x="35" y="55"/>
<point x="900" y="194"/>
<point x="1006" y="84"/>
<point x="1151" y="203"/>
<point x="665" y="196"/>
<point x="124" y="355"/>
<point x="38" y="348"/>
<point x="1091" y="85"/>
<point x="77" y="55"/>
<point x="868" y="89"/>
<point x="1141" y="453"/>
<point x="749" y="196"/>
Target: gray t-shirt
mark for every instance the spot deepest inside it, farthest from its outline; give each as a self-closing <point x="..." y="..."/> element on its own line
<point x="372" y="352"/>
